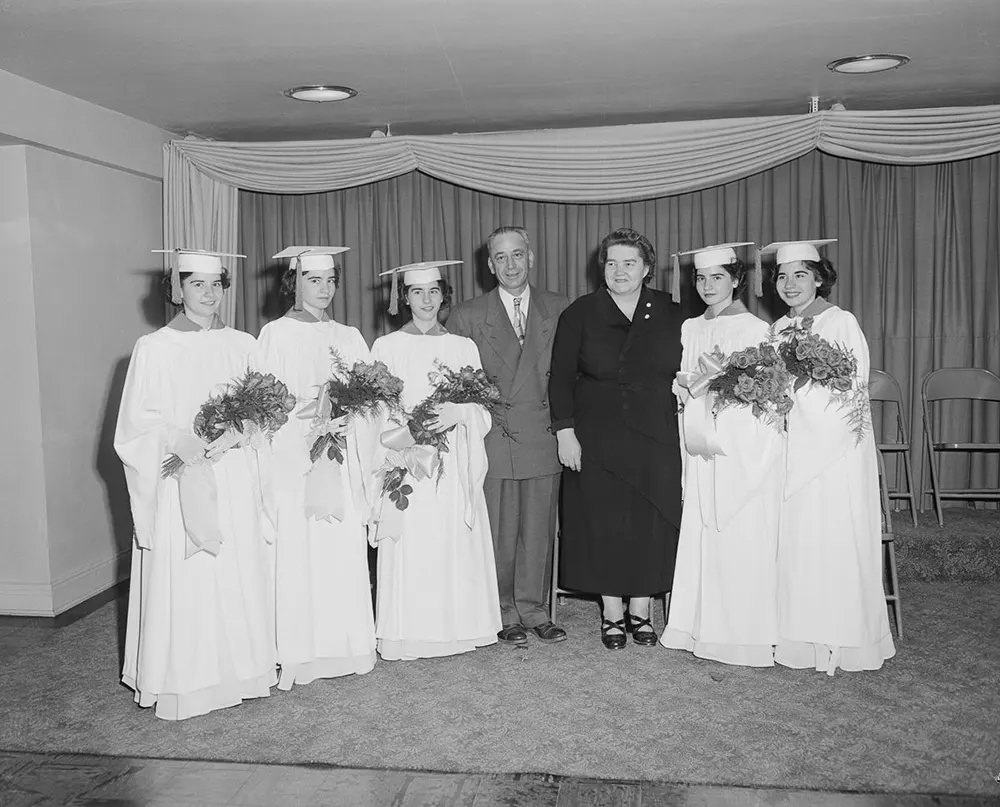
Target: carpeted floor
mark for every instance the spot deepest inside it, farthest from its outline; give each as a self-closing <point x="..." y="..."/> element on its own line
<point x="928" y="722"/>
<point x="966" y="548"/>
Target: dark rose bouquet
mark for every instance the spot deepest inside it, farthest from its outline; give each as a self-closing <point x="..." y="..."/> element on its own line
<point x="257" y="403"/>
<point x="756" y="377"/>
<point x="363" y="389"/>
<point x="811" y="359"/>
<point x="462" y="386"/>
<point x="466" y="385"/>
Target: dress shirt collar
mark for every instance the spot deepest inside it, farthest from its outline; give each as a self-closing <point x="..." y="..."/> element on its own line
<point x="508" y="302"/>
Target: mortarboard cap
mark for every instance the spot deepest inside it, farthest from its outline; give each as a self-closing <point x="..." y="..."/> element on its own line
<point x="413" y="274"/>
<point x="788" y="251"/>
<point x="201" y="261"/>
<point x="308" y="259"/>
<point x="717" y="255"/>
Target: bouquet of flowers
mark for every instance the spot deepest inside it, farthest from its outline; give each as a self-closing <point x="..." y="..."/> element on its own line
<point x="257" y="403"/>
<point x="361" y="390"/>
<point x="466" y="385"/>
<point x="756" y="377"/>
<point x="811" y="359"/>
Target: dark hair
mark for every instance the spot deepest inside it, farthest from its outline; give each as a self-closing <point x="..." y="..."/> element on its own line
<point x="168" y="288"/>
<point x="287" y="288"/>
<point x="627" y="237"/>
<point x="445" y="298"/>
<point x="822" y="270"/>
<point x="737" y="271"/>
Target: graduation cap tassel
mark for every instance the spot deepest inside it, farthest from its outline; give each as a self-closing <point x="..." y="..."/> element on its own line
<point x="758" y="276"/>
<point x="298" y="284"/>
<point x="675" y="281"/>
<point x="394" y="295"/>
<point x="175" y="283"/>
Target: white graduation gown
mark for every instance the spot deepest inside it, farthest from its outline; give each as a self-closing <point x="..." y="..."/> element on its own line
<point x="437" y="585"/>
<point x="831" y="602"/>
<point x="323" y="606"/>
<point x="723" y="604"/>
<point x="200" y="630"/>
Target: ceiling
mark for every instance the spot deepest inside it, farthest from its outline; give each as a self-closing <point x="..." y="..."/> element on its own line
<point x="217" y="68"/>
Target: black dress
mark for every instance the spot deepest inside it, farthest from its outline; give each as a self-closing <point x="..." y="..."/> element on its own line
<point x="611" y="381"/>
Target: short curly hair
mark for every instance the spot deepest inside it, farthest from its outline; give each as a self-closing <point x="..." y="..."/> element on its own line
<point x="822" y="270"/>
<point x="168" y="287"/>
<point x="737" y="271"/>
<point x="626" y="236"/>
<point x="287" y="288"/>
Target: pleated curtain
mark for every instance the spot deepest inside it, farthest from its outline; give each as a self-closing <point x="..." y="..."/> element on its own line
<point x="918" y="253"/>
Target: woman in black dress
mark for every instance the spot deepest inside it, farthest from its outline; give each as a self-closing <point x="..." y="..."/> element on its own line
<point x="615" y="356"/>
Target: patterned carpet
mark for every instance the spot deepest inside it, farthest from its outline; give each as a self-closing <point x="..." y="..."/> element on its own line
<point x="926" y="723"/>
<point x="966" y="548"/>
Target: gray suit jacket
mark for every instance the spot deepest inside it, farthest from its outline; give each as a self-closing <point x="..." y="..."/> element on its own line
<point x="522" y="375"/>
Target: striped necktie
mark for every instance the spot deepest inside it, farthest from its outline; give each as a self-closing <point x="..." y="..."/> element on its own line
<point x="518" y="320"/>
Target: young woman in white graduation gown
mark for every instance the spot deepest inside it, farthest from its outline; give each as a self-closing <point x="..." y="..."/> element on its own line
<point x="723" y="604"/>
<point x="437" y="586"/>
<point x="831" y="602"/>
<point x="200" y="628"/>
<point x="323" y="607"/>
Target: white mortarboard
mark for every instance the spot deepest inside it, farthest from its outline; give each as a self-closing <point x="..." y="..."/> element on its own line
<point x="308" y="259"/>
<point x="201" y="261"/>
<point x="788" y="251"/>
<point x="413" y="274"/>
<point x="716" y="255"/>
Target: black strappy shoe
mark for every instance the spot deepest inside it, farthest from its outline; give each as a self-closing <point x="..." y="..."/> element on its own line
<point x="613" y="641"/>
<point x="642" y="631"/>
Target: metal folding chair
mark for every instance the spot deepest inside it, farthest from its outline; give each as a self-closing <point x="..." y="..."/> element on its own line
<point x="953" y="384"/>
<point x="889" y="576"/>
<point x="884" y="389"/>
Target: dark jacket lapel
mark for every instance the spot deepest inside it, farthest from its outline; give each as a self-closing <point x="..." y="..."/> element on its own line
<point x="641" y="317"/>
<point x="539" y="327"/>
<point x="500" y="333"/>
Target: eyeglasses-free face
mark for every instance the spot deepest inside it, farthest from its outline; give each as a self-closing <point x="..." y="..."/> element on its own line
<point x="624" y="269"/>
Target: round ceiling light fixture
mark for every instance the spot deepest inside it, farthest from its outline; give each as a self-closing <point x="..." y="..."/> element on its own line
<point x="320" y="93"/>
<point x="872" y="63"/>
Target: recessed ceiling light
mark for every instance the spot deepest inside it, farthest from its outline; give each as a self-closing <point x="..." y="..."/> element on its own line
<point x="320" y="93"/>
<point x="873" y="63"/>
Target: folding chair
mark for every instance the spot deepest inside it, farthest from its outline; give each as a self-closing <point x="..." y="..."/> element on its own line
<point x="949" y="384"/>
<point x="889" y="576"/>
<point x="883" y="388"/>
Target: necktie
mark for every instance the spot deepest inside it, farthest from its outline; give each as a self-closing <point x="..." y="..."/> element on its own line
<point x="518" y="320"/>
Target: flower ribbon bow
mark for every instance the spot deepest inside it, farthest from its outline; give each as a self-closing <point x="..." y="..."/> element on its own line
<point x="420" y="460"/>
<point x="696" y="382"/>
<point x="319" y="408"/>
<point x="700" y="436"/>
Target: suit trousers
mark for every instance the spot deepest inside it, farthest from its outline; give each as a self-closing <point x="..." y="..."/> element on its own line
<point x="523" y="521"/>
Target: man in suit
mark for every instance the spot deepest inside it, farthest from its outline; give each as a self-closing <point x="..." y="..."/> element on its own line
<point x="513" y="326"/>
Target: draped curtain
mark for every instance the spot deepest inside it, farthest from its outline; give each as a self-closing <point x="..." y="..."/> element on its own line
<point x="596" y="164"/>
<point x="918" y="252"/>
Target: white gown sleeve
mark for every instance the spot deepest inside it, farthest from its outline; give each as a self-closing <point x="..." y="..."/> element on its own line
<point x="270" y="357"/>
<point x="141" y="437"/>
<point x="819" y="430"/>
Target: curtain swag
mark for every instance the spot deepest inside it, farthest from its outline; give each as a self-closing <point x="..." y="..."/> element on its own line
<point x="600" y="164"/>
